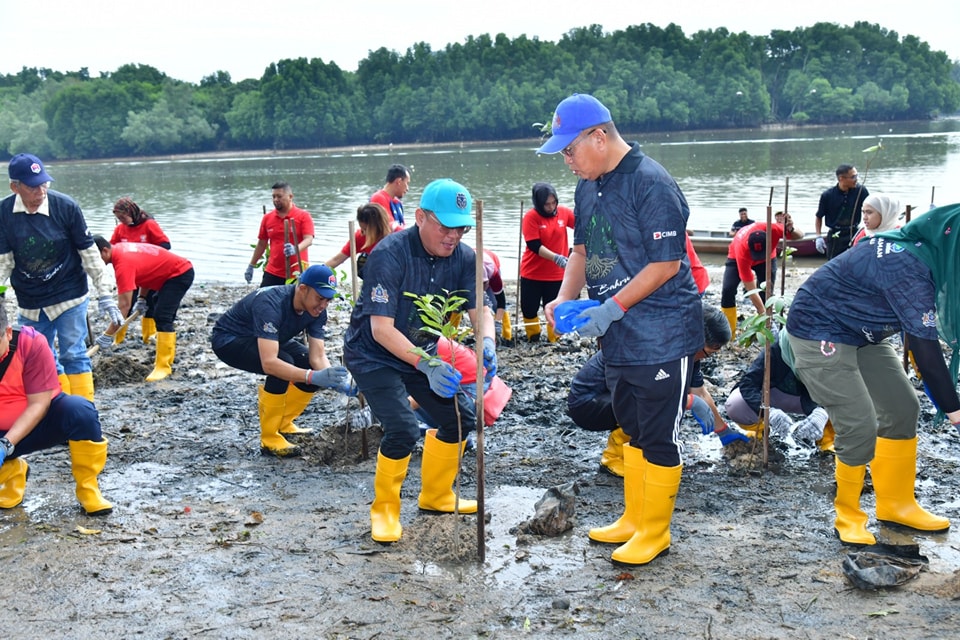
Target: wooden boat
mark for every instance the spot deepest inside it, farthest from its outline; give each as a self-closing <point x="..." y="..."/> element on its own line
<point x="716" y="241"/>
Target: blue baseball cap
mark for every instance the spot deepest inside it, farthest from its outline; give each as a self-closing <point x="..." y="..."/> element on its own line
<point x="321" y="279"/>
<point x="574" y="114"/>
<point x="28" y="169"/>
<point x="450" y="202"/>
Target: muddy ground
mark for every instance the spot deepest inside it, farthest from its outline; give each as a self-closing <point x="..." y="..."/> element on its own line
<point x="209" y="539"/>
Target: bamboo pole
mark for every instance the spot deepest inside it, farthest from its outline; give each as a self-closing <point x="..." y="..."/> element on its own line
<point x="516" y="325"/>
<point x="478" y="333"/>
<point x="355" y="288"/>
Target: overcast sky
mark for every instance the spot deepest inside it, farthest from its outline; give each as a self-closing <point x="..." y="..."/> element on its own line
<point x="188" y="40"/>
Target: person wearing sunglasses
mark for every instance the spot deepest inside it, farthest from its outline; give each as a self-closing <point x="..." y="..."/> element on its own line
<point x="841" y="209"/>
<point x="392" y="354"/>
<point x="630" y="252"/>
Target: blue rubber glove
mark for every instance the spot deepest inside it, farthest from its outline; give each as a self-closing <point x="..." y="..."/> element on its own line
<point x="109" y="308"/>
<point x="331" y="378"/>
<point x="600" y="318"/>
<point x="289" y="250"/>
<point x="248" y="274"/>
<point x="820" y="244"/>
<point x="560" y="261"/>
<point x="444" y="379"/>
<point x="104" y="341"/>
<point x="701" y="411"/>
<point x="140" y="306"/>
<point x="566" y="316"/>
<point x="489" y="359"/>
<point x="6" y="448"/>
<point x="730" y="435"/>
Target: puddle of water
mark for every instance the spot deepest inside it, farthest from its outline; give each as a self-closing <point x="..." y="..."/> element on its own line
<point x="149" y="484"/>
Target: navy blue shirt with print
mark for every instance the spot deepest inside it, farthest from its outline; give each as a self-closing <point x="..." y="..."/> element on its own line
<point x="868" y="293"/>
<point x="400" y="265"/>
<point x="630" y="217"/>
<point x="267" y="313"/>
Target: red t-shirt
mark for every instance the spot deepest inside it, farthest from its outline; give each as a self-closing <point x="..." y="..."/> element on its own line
<point x="392" y="205"/>
<point x="145" y="265"/>
<point x="740" y="251"/>
<point x="148" y="231"/>
<point x="271" y="230"/>
<point x="31" y="370"/>
<point x="700" y="275"/>
<point x="552" y="233"/>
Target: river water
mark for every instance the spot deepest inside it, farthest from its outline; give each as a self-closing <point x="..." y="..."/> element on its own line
<point x="211" y="207"/>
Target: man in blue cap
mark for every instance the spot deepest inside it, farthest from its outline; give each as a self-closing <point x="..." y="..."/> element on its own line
<point x="630" y="252"/>
<point x="47" y="252"/>
<point x="380" y="351"/>
<point x="257" y="335"/>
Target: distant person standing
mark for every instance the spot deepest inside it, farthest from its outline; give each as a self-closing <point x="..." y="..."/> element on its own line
<point x="391" y="196"/>
<point x="47" y="252"/>
<point x="136" y="225"/>
<point x="741" y="222"/>
<point x="273" y="233"/>
<point x="545" y="231"/>
<point x="841" y="208"/>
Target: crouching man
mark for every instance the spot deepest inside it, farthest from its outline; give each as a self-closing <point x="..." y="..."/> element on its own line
<point x="35" y="414"/>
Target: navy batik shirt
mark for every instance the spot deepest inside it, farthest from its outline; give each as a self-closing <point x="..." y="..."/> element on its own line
<point x="869" y="292"/>
<point x="267" y="313"/>
<point x="400" y="265"/>
<point x="630" y="217"/>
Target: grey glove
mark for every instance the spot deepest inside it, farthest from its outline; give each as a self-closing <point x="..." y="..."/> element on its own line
<point x="140" y="306"/>
<point x="289" y="250"/>
<point x="820" y="244"/>
<point x="560" y="260"/>
<point x="331" y="378"/>
<point x="810" y="429"/>
<point x="104" y="341"/>
<point x="444" y="379"/>
<point x="599" y="319"/>
<point x="248" y="274"/>
<point x="780" y="424"/>
<point x="109" y="308"/>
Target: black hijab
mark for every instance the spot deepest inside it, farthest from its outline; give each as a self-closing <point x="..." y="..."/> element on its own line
<point x="541" y="192"/>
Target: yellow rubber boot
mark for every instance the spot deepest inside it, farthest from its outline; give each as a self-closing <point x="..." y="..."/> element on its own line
<point x="88" y="459"/>
<point x="295" y="402"/>
<point x="731" y="314"/>
<point x="623" y="529"/>
<point x="13" y="482"/>
<point x="438" y="470"/>
<point x="652" y="538"/>
<point x="64" y="382"/>
<point x="894" y="473"/>
<point x="551" y="334"/>
<point x="166" y="350"/>
<point x="148" y="329"/>
<point x="121" y="334"/>
<point x="81" y="384"/>
<point x="385" y="510"/>
<point x="532" y="328"/>
<point x="271" y="415"/>
<point x="506" y="329"/>
<point x="611" y="460"/>
<point x="825" y="443"/>
<point x="851" y="522"/>
<point x="754" y="430"/>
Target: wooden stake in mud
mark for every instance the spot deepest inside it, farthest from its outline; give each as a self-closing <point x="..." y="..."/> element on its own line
<point x="478" y="334"/>
<point x="906" y="343"/>
<point x="286" y="241"/>
<point x="355" y="289"/>
<point x="768" y="285"/>
<point x="783" y="252"/>
<point x="516" y="325"/>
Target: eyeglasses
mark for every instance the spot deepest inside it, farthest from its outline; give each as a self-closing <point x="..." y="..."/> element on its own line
<point x="444" y="229"/>
<point x="568" y="151"/>
<point x="854" y="177"/>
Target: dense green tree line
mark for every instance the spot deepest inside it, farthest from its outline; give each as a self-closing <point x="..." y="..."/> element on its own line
<point x="487" y="88"/>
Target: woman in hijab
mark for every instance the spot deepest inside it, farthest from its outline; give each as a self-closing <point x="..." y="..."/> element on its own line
<point x="880" y="213"/>
<point x="836" y="341"/>
<point x="544" y="230"/>
<point x="136" y="225"/>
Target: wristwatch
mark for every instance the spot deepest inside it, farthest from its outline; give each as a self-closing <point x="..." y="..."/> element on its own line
<point x="7" y="447"/>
